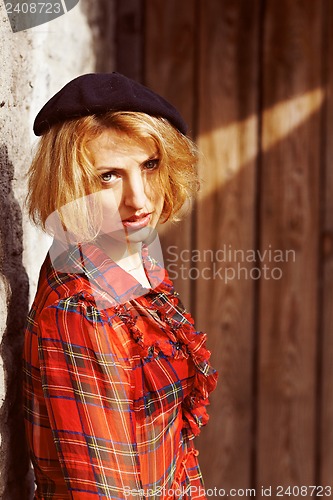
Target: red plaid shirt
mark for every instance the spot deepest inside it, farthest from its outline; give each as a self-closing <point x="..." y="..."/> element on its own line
<point x="114" y="391"/>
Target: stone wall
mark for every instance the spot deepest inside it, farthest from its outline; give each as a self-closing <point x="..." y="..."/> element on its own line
<point x="35" y="63"/>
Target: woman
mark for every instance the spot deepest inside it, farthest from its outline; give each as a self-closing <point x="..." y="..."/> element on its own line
<point x="116" y="377"/>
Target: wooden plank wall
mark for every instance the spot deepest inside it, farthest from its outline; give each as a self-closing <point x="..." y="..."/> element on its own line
<point x="254" y="80"/>
<point x="225" y="221"/>
<point x="325" y="455"/>
<point x="171" y="29"/>
<point x="289" y="220"/>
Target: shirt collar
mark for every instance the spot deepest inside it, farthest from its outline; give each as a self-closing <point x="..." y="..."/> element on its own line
<point x="109" y="283"/>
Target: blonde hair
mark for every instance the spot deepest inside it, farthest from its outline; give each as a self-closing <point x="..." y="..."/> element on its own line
<point x="62" y="172"/>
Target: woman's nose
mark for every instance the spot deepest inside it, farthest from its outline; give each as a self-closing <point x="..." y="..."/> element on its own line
<point x="134" y="194"/>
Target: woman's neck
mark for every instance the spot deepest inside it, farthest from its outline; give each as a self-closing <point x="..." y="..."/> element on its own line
<point x="127" y="255"/>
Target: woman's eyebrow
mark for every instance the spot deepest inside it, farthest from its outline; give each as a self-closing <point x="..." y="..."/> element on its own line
<point x="105" y="168"/>
<point x="154" y="156"/>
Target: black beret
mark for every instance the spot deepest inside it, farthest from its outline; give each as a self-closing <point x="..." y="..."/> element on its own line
<point x="98" y="93"/>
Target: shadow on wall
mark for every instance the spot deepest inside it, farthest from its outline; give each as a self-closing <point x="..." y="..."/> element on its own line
<point x="100" y="16"/>
<point x="16" y="479"/>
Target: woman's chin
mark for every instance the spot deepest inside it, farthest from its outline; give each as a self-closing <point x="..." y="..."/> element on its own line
<point x="131" y="235"/>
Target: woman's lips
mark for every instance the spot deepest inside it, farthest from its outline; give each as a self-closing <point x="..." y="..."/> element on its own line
<point x="137" y="221"/>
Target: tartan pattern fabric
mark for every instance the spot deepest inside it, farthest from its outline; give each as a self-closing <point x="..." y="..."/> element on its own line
<point x="113" y="395"/>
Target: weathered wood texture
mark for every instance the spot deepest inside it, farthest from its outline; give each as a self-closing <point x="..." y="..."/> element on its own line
<point x="130" y="38"/>
<point x="169" y="69"/>
<point x="289" y="220"/>
<point x="325" y="386"/>
<point x="225" y="220"/>
<point x="254" y="80"/>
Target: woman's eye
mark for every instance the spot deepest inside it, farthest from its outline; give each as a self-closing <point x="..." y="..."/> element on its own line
<point x="108" y="177"/>
<point x="152" y="164"/>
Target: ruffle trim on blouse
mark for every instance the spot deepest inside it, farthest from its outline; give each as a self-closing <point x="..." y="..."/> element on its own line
<point x="182" y="476"/>
<point x="182" y="340"/>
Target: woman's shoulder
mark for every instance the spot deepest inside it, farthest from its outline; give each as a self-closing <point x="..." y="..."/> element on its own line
<point x="63" y="291"/>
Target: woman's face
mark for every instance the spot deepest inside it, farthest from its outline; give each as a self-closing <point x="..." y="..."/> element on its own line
<point x="132" y="200"/>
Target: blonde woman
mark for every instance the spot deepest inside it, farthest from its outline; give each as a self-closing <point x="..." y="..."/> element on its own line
<point x="116" y="376"/>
